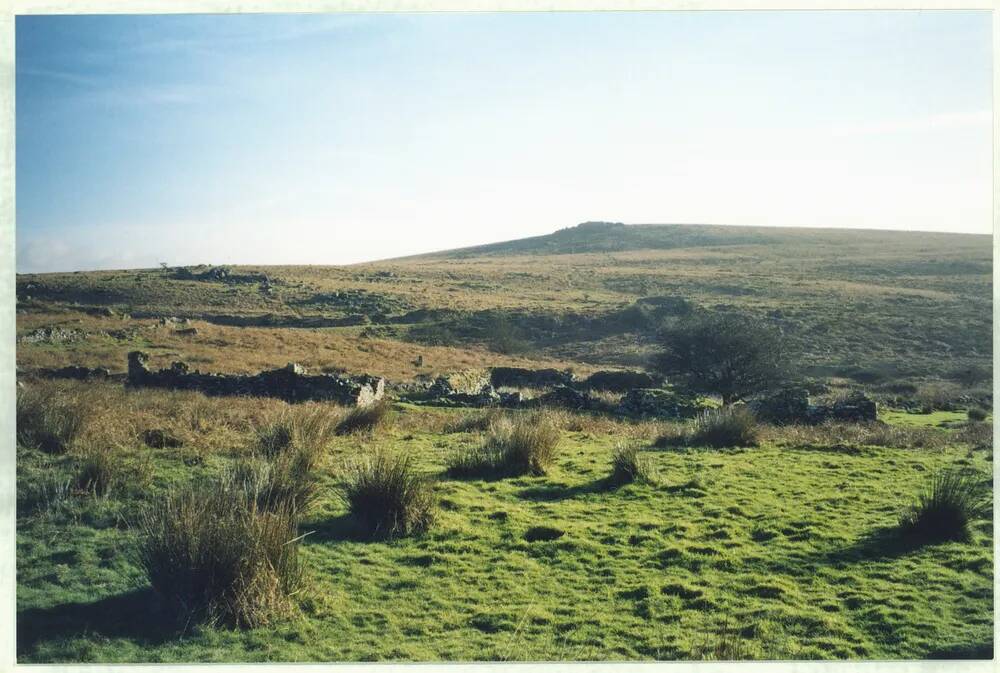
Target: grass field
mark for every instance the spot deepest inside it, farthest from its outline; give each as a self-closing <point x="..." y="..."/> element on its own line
<point x="790" y="549"/>
<point x="716" y="559"/>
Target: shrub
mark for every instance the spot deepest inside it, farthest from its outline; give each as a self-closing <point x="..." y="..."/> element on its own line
<point x="214" y="555"/>
<point x="47" y="419"/>
<point x="363" y="418"/>
<point x="385" y="492"/>
<point x="518" y="445"/>
<point x="718" y="428"/>
<point x="628" y="465"/>
<point x="733" y="356"/>
<point x="977" y="414"/>
<point x="943" y="511"/>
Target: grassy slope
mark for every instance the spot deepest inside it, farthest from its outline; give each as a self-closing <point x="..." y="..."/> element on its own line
<point x="793" y="564"/>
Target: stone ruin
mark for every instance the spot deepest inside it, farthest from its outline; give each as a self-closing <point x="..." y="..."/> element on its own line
<point x="291" y="383"/>
<point x="792" y="405"/>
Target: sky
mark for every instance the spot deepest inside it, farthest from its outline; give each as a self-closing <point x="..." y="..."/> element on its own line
<point x="339" y="138"/>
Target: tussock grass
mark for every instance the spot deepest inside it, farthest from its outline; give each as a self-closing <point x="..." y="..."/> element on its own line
<point x="475" y="422"/>
<point x="628" y="466"/>
<point x="364" y="418"/>
<point x="280" y="471"/>
<point x="385" y="492"/>
<point x="100" y="471"/>
<point x="729" y="426"/>
<point x="49" y="418"/>
<point x="952" y="499"/>
<point x="514" y="445"/>
<point x="215" y="555"/>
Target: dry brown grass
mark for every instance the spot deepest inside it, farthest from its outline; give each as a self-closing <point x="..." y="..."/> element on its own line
<point x="859" y="434"/>
<point x="215" y="554"/>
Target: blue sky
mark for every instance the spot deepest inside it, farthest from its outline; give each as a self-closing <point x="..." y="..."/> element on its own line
<point x="337" y="138"/>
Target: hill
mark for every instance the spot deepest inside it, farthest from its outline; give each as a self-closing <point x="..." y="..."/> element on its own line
<point x="874" y="307"/>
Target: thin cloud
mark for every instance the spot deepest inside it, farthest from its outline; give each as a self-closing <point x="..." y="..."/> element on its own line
<point x="925" y="124"/>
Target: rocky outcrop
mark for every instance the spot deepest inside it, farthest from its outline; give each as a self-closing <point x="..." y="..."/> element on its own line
<point x="291" y="383"/>
<point x="519" y="377"/>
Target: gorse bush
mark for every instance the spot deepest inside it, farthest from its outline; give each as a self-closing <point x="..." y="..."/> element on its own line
<point x="514" y="445"/>
<point x="951" y="500"/>
<point x="214" y="554"/>
<point x="363" y="418"/>
<point x="388" y="496"/>
<point x="48" y="419"/>
<point x="628" y="465"/>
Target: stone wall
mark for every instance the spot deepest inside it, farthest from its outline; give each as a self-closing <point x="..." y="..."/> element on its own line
<point x="519" y="377"/>
<point x="291" y="383"/>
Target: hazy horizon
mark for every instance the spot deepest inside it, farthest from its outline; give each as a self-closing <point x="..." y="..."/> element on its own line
<point x="344" y="138"/>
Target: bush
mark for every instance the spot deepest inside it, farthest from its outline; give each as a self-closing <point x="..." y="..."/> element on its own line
<point x="214" y="555"/>
<point x="951" y="500"/>
<point x="47" y="419"/>
<point x="718" y="428"/>
<point x="363" y="418"/>
<point x="977" y="414"/>
<point x="388" y="496"/>
<point x="733" y="356"/>
<point x="628" y="465"/>
<point x="514" y="446"/>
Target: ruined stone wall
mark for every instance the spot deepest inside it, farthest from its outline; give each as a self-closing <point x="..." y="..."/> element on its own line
<point x="290" y="383"/>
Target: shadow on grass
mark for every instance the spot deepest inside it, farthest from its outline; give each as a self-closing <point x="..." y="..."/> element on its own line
<point x="134" y="616"/>
<point x="964" y="651"/>
<point x="343" y="528"/>
<point x="554" y="492"/>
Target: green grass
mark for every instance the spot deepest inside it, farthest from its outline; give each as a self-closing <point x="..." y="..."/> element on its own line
<point x="940" y="419"/>
<point x="764" y="552"/>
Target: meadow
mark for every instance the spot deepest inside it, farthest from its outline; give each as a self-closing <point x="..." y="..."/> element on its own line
<point x="790" y="545"/>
